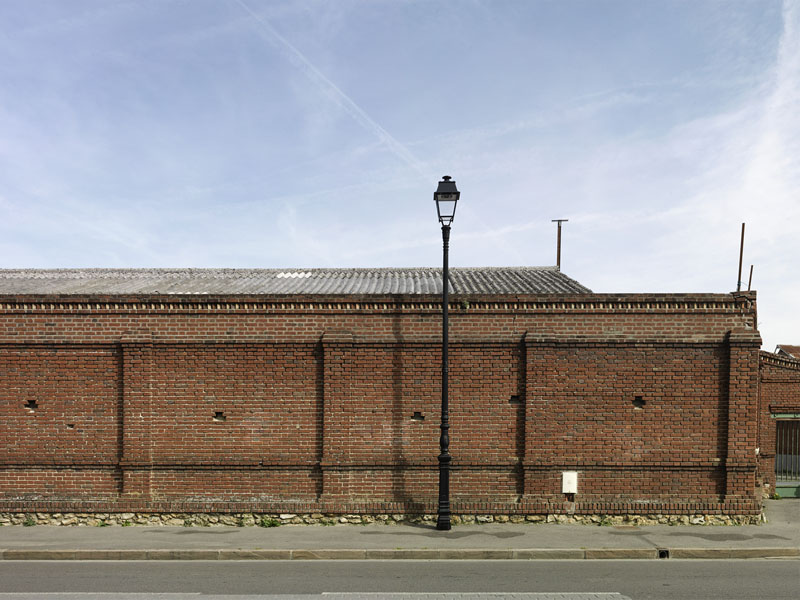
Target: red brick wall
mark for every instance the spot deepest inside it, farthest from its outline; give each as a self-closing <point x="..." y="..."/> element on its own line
<point x="76" y="392"/>
<point x="779" y="392"/>
<point x="333" y="404"/>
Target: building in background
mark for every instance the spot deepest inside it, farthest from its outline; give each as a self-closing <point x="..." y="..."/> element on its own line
<point x="788" y="351"/>
<point x="779" y="434"/>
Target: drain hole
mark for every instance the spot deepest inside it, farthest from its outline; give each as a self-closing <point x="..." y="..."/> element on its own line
<point x="662" y="553"/>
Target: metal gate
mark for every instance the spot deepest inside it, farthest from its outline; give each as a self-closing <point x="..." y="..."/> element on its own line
<point x="787" y="457"/>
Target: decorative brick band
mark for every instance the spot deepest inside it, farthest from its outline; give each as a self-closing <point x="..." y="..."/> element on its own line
<point x="593" y="303"/>
<point x="784" y="362"/>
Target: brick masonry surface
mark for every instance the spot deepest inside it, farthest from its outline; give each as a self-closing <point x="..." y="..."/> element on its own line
<point x="312" y="404"/>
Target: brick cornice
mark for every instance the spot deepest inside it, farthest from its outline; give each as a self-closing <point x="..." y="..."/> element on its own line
<point x="744" y="337"/>
<point x="768" y="358"/>
<point x="461" y="304"/>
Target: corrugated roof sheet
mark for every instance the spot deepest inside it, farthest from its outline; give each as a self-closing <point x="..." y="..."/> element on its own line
<point x="479" y="280"/>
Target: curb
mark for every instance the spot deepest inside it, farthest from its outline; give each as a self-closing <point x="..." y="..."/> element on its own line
<point x="407" y="554"/>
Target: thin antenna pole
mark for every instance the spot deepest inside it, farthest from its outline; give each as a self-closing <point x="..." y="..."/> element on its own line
<point x="741" y="253"/>
<point x="750" y="281"/>
<point x="558" y="243"/>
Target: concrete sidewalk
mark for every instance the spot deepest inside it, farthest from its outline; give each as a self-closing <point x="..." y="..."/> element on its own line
<point x="778" y="537"/>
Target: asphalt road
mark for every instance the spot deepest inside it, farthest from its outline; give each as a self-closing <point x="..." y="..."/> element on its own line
<point x="601" y="579"/>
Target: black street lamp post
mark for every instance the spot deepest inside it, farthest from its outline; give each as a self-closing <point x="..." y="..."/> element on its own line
<point x="446" y="197"/>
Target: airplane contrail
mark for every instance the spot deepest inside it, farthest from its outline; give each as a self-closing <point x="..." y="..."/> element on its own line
<point x="299" y="60"/>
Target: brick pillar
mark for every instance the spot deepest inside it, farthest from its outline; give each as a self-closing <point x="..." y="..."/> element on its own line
<point x="542" y="430"/>
<point x="766" y="433"/>
<point x="337" y="352"/>
<point x="741" y="460"/>
<point x="137" y="392"/>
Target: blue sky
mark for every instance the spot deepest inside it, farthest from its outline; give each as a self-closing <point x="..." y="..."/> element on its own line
<point x="254" y="133"/>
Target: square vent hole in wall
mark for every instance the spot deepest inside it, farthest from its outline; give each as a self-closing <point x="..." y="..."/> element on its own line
<point x="515" y="399"/>
<point x="219" y="417"/>
<point x="417" y="416"/>
<point x="638" y="402"/>
<point x="31" y="405"/>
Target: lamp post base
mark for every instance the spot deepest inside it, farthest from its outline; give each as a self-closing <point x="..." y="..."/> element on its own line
<point x="443" y="514"/>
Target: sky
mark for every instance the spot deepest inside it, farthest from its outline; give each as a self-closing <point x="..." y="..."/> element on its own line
<point x="292" y="134"/>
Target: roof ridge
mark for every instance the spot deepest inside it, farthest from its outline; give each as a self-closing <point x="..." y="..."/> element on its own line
<point x="200" y="270"/>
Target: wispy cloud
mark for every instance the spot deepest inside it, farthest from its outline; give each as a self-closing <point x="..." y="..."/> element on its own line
<point x="707" y="176"/>
<point x="75" y="19"/>
<point x="332" y="91"/>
